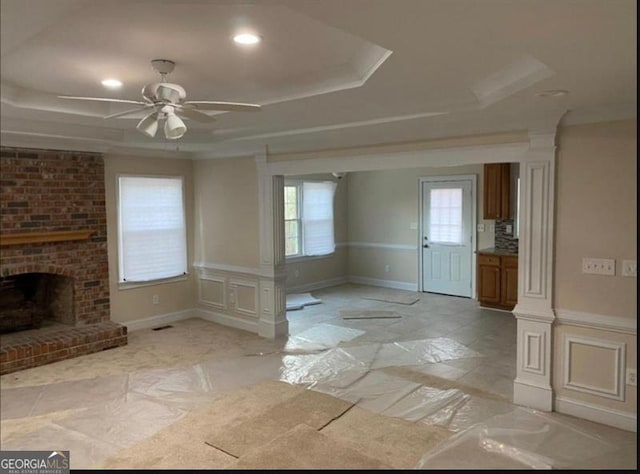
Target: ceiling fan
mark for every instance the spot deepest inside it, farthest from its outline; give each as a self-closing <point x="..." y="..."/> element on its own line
<point x="168" y="104"/>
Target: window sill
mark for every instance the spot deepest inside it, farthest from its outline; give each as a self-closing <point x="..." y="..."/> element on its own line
<point x="304" y="258"/>
<point x="142" y="284"/>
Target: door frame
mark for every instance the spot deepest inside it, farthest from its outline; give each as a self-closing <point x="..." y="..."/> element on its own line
<point x="474" y="205"/>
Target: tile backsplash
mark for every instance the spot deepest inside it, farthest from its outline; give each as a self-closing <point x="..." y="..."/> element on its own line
<point x="504" y="240"/>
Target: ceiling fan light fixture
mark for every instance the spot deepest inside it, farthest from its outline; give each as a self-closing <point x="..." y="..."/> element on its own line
<point x="246" y="38"/>
<point x="174" y="127"/>
<point x="148" y="125"/>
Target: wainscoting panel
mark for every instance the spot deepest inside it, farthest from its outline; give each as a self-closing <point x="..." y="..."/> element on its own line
<point x="230" y="293"/>
<point x="212" y="291"/>
<point x="579" y="374"/>
<point x="244" y="296"/>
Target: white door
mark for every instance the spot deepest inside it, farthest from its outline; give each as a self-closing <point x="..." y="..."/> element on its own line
<point x="447" y="235"/>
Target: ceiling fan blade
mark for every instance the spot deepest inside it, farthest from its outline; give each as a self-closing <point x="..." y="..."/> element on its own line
<point x="223" y="106"/>
<point x="103" y="99"/>
<point x="128" y="112"/>
<point x="193" y="115"/>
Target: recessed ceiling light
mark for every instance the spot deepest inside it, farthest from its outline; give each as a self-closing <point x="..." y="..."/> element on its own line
<point x="246" y="38"/>
<point x="552" y="93"/>
<point x="112" y="83"/>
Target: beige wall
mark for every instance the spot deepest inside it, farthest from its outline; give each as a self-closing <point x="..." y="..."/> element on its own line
<point x="381" y="207"/>
<point x="306" y="271"/>
<point x="136" y="303"/>
<point x="596" y="216"/>
<point x="226" y="212"/>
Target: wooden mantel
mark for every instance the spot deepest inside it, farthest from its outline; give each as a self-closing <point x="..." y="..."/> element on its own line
<point x="42" y="237"/>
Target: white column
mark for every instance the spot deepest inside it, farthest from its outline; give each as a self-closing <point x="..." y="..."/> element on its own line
<point x="273" y="315"/>
<point x="534" y="311"/>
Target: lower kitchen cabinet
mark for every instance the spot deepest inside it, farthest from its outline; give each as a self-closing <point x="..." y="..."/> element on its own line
<point x="497" y="281"/>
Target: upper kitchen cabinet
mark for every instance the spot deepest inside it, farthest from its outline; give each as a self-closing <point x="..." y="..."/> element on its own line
<point x="497" y="191"/>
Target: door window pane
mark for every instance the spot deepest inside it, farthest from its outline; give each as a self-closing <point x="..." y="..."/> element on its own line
<point x="445" y="216"/>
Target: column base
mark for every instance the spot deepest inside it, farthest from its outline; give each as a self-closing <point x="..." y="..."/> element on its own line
<point x="532" y="396"/>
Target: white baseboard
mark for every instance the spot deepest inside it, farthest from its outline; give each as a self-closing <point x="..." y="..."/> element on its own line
<point x="227" y="320"/>
<point x="396" y="285"/>
<point x="532" y="396"/>
<point x="607" y="416"/>
<point x="317" y="285"/>
<point x="159" y="320"/>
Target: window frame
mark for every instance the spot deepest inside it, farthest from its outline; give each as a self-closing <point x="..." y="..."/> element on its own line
<point x="124" y="285"/>
<point x="301" y="256"/>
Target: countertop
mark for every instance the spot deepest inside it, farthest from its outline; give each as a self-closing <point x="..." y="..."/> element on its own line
<point x="495" y="251"/>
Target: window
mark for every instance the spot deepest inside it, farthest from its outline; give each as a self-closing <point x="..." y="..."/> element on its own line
<point x="152" y="241"/>
<point x="308" y="214"/>
<point x="445" y="217"/>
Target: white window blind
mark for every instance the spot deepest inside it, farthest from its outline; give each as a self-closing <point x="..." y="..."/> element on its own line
<point x="152" y="233"/>
<point x="292" y="220"/>
<point x="317" y="218"/>
<point x="445" y="217"/>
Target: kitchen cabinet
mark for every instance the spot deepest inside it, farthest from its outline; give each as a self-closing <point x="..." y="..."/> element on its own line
<point x="497" y="191"/>
<point x="497" y="280"/>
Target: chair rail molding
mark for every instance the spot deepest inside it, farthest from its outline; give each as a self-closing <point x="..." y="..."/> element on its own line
<point x="534" y="311"/>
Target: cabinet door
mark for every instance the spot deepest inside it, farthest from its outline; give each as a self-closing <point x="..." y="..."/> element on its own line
<point x="497" y="199"/>
<point x="509" y="281"/>
<point x="505" y="191"/>
<point x="491" y="199"/>
<point x="489" y="284"/>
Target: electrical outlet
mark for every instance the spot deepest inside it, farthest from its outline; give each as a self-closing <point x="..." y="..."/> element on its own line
<point x="296" y="273"/>
<point x="386" y="268"/>
<point x="413" y="226"/>
<point x="632" y="377"/>
<point x="155" y="299"/>
<point x="630" y="268"/>
<point x="599" y="266"/>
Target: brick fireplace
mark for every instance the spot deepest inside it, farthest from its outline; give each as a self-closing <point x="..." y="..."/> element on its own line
<point x="53" y="258"/>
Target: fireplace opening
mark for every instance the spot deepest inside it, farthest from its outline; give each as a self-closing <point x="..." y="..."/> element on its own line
<point x="34" y="300"/>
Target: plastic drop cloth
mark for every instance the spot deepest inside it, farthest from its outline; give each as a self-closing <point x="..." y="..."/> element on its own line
<point x="123" y="422"/>
<point x="85" y="451"/>
<point x="519" y="439"/>
<point x="183" y="388"/>
<point x="321" y="337"/>
<point x="424" y="351"/>
<point x="400" y="398"/>
<point x="341" y="366"/>
<point x="347" y="364"/>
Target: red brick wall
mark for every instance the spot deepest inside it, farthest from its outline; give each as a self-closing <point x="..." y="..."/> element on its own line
<point x="41" y="191"/>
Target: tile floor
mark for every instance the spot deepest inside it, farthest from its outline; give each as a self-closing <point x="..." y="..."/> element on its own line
<point x="98" y="404"/>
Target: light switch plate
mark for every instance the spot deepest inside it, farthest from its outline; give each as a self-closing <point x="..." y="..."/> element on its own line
<point x="413" y="225"/>
<point x="599" y="266"/>
<point x="480" y="227"/>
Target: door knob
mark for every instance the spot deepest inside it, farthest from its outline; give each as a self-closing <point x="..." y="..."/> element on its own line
<point x="426" y="246"/>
